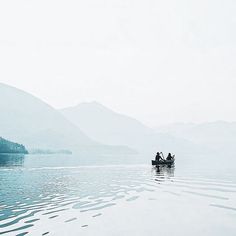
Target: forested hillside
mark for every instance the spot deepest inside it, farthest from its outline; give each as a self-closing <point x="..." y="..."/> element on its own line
<point x="10" y="147"/>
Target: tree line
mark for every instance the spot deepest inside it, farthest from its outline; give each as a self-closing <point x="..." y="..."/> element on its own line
<point x="7" y="146"/>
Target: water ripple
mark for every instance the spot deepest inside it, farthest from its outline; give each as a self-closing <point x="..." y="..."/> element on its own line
<point x="39" y="192"/>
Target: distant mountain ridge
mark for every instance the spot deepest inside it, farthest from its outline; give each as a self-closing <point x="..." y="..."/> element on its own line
<point x="107" y="126"/>
<point x="91" y="126"/>
<point x="29" y="120"/>
<point x="219" y="136"/>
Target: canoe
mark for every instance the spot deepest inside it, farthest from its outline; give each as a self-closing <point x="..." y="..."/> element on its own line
<point x="166" y="162"/>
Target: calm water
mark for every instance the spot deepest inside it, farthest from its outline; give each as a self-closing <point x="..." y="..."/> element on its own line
<point x="70" y="190"/>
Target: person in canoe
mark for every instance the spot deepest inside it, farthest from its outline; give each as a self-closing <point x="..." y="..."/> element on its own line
<point x="158" y="157"/>
<point x="169" y="157"/>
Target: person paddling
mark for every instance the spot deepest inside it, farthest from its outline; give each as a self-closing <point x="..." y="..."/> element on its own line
<point x="158" y="157"/>
<point x="170" y="157"/>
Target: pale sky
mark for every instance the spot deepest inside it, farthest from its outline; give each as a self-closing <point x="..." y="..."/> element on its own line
<point x="158" y="61"/>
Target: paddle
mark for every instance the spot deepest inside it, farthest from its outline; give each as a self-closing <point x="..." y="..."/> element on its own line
<point x="162" y="156"/>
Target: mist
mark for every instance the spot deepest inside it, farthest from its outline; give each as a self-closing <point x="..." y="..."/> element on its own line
<point x="117" y="117"/>
<point x="161" y="62"/>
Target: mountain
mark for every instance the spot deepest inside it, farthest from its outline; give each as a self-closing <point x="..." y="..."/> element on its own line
<point x="107" y="126"/>
<point x="7" y="146"/>
<point x="26" y="119"/>
<point x="219" y="136"/>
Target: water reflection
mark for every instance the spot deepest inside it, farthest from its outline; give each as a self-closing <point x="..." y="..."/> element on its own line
<point x="28" y="195"/>
<point x="31" y="195"/>
<point x="36" y="193"/>
<point x="11" y="160"/>
<point x="164" y="170"/>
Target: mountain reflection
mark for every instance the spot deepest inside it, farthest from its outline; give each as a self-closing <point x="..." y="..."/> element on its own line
<point x="11" y="160"/>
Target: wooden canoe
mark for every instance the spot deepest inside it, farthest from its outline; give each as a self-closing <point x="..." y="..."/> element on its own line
<point x="165" y="162"/>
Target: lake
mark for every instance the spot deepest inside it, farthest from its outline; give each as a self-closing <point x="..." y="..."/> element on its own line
<point x="116" y="195"/>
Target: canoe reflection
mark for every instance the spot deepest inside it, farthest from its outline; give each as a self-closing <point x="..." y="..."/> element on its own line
<point x="164" y="170"/>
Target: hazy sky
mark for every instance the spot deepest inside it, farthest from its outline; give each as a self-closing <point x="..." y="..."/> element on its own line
<point x="159" y="61"/>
